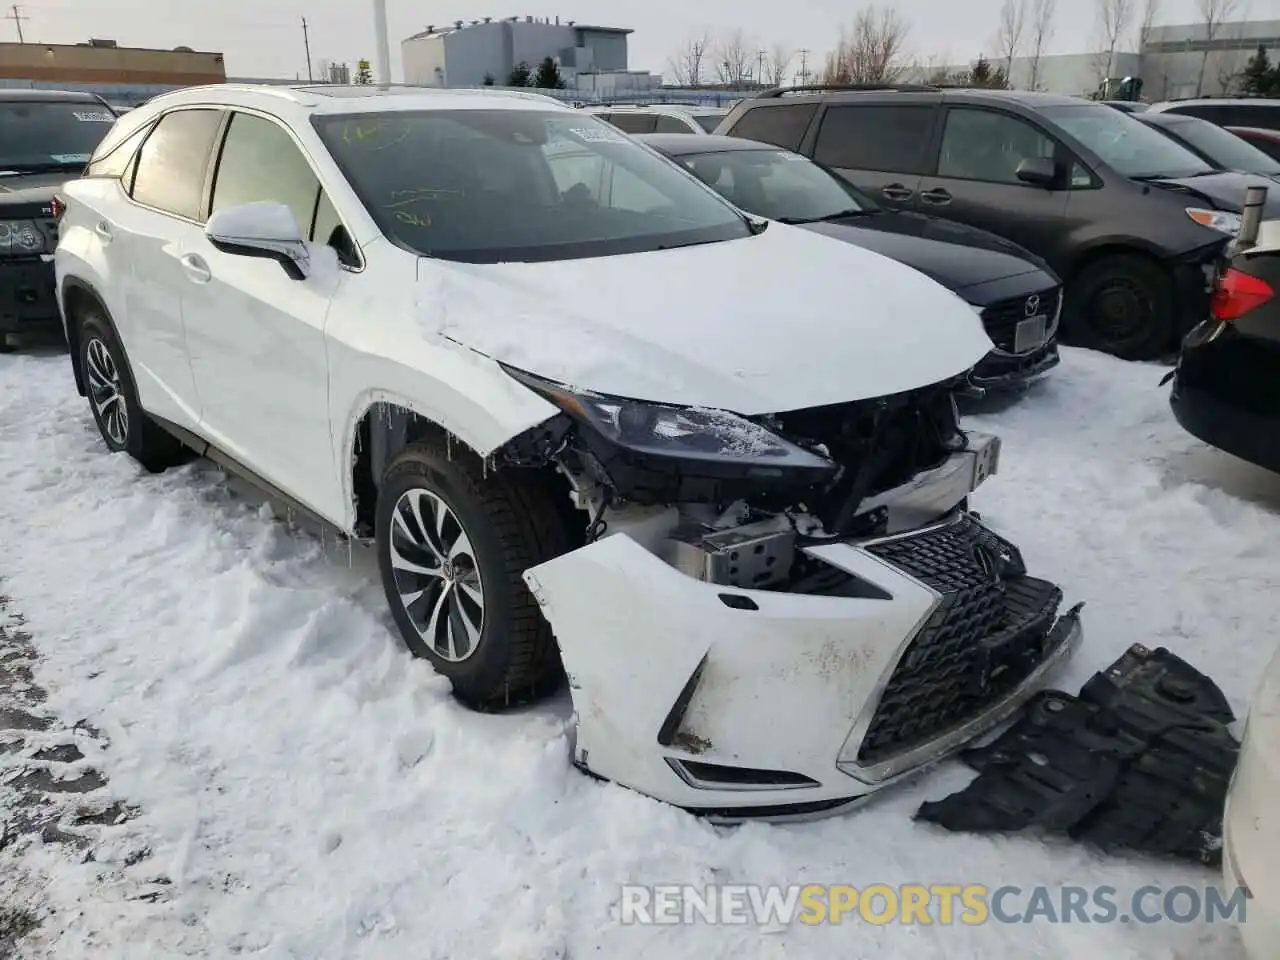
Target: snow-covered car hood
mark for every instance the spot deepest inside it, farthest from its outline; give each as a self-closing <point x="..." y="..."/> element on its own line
<point x="781" y="321"/>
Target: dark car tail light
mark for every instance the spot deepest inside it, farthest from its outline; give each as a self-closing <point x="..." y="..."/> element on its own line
<point x="1236" y="293"/>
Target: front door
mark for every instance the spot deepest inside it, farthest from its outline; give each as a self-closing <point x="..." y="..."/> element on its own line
<point x="255" y="334"/>
<point x="976" y="181"/>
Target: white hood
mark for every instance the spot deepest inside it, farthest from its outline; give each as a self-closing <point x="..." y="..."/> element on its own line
<point x="781" y="321"/>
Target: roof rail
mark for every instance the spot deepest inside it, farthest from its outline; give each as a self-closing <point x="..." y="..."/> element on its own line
<point x="837" y="87"/>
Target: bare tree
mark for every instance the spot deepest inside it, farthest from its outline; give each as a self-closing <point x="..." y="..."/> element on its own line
<point x="780" y="57"/>
<point x="686" y="64"/>
<point x="1212" y="14"/>
<point x="1042" y="13"/>
<point x="871" y="52"/>
<point x="1150" y="10"/>
<point x="1113" y="22"/>
<point x="733" y="58"/>
<point x="1013" y="17"/>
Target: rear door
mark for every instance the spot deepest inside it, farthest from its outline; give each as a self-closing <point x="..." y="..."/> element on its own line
<point x="973" y="178"/>
<point x="881" y="148"/>
<point x="144" y="239"/>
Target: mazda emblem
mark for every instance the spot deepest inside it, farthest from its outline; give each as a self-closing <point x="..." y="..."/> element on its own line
<point x="1032" y="306"/>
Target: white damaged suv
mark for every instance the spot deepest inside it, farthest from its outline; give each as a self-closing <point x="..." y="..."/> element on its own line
<point x="572" y="395"/>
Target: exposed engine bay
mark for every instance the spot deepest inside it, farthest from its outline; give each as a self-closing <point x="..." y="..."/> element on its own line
<point x="735" y="499"/>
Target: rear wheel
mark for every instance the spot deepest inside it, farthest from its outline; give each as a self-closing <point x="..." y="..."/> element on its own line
<point x="113" y="398"/>
<point x="453" y="542"/>
<point x="1122" y="305"/>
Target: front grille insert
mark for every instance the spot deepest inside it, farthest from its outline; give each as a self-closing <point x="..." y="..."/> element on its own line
<point x="988" y="634"/>
<point x="1001" y="318"/>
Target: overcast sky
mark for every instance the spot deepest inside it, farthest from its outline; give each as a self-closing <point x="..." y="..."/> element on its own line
<point x="263" y="38"/>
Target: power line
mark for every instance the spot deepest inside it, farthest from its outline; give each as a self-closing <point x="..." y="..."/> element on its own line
<point x="17" y="19"/>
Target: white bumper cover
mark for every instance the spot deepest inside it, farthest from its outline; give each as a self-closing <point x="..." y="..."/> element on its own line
<point x="757" y="703"/>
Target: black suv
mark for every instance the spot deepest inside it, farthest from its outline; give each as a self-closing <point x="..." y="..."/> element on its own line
<point x="46" y="138"/>
<point x="1133" y="221"/>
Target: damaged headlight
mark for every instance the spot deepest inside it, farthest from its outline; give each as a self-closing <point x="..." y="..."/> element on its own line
<point x="683" y="433"/>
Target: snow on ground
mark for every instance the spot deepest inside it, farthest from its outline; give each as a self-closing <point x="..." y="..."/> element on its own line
<point x="308" y="790"/>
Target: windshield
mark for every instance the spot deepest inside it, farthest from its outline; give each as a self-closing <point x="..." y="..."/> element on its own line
<point x="708" y="121"/>
<point x="1224" y="147"/>
<point x="1126" y="144"/>
<point x="486" y="186"/>
<point x="777" y="184"/>
<point x="43" y="134"/>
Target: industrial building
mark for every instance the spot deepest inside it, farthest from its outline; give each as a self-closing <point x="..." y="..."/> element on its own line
<point x="124" y="75"/>
<point x="486" y="51"/>
<point x="1174" y="62"/>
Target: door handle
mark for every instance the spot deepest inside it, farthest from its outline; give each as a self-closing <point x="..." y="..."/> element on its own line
<point x="103" y="230"/>
<point x="937" y="196"/>
<point x="896" y="191"/>
<point x="196" y="268"/>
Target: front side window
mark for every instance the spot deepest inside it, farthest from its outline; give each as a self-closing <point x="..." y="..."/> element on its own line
<point x="778" y="185"/>
<point x="708" y="121"/>
<point x="487" y="186"/>
<point x="172" y="162"/>
<point x="260" y="161"/>
<point x="988" y="146"/>
<point x="1125" y="144"/>
<point x="50" y="134"/>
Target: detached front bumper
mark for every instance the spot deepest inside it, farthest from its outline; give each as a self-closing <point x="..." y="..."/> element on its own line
<point x="27" y="299"/>
<point x="749" y="704"/>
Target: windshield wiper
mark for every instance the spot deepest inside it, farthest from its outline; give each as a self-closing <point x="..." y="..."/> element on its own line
<point x="838" y="215"/>
<point x="41" y="168"/>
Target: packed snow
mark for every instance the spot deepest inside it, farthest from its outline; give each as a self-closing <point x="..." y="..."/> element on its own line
<point x="309" y="790"/>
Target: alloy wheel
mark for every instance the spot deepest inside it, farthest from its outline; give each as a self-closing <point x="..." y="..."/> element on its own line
<point x="436" y="575"/>
<point x="106" y="392"/>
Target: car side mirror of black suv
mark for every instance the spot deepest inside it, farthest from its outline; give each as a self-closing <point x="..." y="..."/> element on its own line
<point x="1038" y="171"/>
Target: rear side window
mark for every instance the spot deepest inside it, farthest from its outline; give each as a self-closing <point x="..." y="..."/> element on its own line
<point x="634" y="122"/>
<point x="260" y="161"/>
<point x="893" y="139"/>
<point x="114" y="162"/>
<point x="1233" y="115"/>
<point x="666" y="124"/>
<point x="173" y="162"/>
<point x="782" y="125"/>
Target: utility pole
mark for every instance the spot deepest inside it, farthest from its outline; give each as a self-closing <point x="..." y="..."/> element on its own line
<point x="17" y="18"/>
<point x="384" y="46"/>
<point x="306" y="43"/>
<point x="804" y="65"/>
<point x="760" y="67"/>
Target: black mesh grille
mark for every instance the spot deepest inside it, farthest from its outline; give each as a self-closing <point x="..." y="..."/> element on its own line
<point x="987" y="634"/>
<point x="1001" y="318"/>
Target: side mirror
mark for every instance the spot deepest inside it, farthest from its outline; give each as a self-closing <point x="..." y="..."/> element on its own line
<point x="265" y="229"/>
<point x="1038" y="171"/>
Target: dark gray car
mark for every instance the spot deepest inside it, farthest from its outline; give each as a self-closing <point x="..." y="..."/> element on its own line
<point x="1132" y="221"/>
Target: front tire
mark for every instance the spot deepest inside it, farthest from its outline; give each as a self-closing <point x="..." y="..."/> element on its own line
<point x="1121" y="305"/>
<point x="453" y="542"/>
<point x="113" y="399"/>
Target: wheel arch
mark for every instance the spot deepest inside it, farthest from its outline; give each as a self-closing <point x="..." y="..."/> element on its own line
<point x="384" y="424"/>
<point x="1104" y="247"/>
<point x="77" y="298"/>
